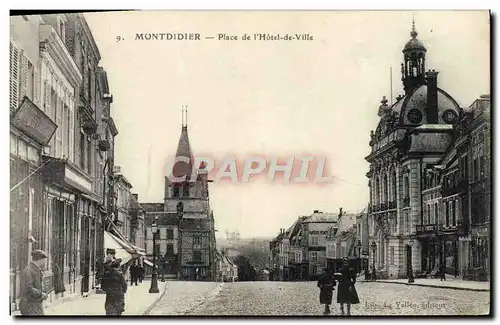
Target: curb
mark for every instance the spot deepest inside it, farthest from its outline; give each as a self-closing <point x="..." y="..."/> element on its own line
<point x="431" y="286"/>
<point x="146" y="312"/>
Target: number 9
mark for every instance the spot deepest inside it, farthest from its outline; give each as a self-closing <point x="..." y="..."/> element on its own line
<point x="118" y="38"/>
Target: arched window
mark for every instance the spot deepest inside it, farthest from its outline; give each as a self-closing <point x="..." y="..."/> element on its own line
<point x="428" y="217"/>
<point x="386" y="189"/>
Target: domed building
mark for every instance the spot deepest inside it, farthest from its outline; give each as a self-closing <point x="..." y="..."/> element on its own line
<point x="412" y="136"/>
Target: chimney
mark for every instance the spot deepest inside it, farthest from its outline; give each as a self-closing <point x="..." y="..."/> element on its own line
<point x="316" y="211"/>
<point x="340" y="212"/>
<point x="136" y="196"/>
<point x="432" y="97"/>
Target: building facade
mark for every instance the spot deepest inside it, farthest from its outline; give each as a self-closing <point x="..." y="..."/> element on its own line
<point x="418" y="178"/>
<point x="58" y="151"/>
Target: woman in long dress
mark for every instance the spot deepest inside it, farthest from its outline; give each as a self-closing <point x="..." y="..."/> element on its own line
<point x="346" y="293"/>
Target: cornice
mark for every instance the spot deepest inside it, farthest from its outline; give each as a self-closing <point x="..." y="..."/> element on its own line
<point x="57" y="50"/>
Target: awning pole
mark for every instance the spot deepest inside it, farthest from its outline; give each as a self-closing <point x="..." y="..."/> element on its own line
<point x="18" y="184"/>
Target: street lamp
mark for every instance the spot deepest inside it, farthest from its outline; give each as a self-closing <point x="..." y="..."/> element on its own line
<point x="411" y="279"/>
<point x="154" y="277"/>
<point x="374" y="249"/>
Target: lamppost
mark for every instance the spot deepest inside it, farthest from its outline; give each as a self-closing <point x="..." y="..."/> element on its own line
<point x="411" y="279"/>
<point x="374" y="249"/>
<point x="154" y="277"/>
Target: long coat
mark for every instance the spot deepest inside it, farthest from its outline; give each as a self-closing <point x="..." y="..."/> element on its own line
<point x="326" y="284"/>
<point x="31" y="291"/>
<point x="115" y="286"/>
<point x="346" y="291"/>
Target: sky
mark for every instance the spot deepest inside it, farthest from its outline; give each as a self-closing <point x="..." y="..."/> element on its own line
<point x="273" y="98"/>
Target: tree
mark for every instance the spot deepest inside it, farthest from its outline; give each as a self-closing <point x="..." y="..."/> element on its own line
<point x="246" y="271"/>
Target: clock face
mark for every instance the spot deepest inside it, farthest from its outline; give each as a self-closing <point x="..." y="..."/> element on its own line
<point x="449" y="116"/>
<point x="414" y="116"/>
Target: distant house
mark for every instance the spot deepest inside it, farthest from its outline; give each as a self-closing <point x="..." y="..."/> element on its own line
<point x="227" y="270"/>
<point x="343" y="241"/>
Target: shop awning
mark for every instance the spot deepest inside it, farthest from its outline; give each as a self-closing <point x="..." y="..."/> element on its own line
<point x="139" y="250"/>
<point x="110" y="241"/>
<point x="149" y="263"/>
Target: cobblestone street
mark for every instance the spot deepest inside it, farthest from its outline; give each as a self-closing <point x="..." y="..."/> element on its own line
<point x="301" y="298"/>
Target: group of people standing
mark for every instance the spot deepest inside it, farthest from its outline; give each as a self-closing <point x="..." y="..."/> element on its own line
<point x="346" y="291"/>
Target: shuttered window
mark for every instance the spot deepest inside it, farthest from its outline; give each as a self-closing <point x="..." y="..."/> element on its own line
<point x="14" y="77"/>
<point x="71" y="134"/>
<point x="60" y="127"/>
<point x="66" y="135"/>
<point x="23" y="77"/>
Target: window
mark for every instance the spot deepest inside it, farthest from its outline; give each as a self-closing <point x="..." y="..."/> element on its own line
<point x="13" y="144"/>
<point x="197" y="256"/>
<point x="314" y="241"/>
<point x="394" y="185"/>
<point x="89" y="157"/>
<point x="157" y="250"/>
<point x="482" y="167"/>
<point x="447" y="217"/>
<point x="391" y="255"/>
<point x="314" y="256"/>
<point x="196" y="240"/>
<point x="394" y="224"/>
<point x="428" y="215"/>
<point x="32" y="154"/>
<point x="170" y="234"/>
<point x="175" y="190"/>
<point x="170" y="249"/>
<point x="23" y="149"/>
<point x="65" y="130"/>
<point x="407" y="221"/>
<point x="454" y="205"/>
<point x="185" y="189"/>
<point x="406" y="184"/>
<point x="475" y="171"/>
<point x="62" y="32"/>
<point x="436" y="214"/>
<point x="30" y="91"/>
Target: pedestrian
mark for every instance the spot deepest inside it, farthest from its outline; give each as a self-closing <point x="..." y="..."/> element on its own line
<point x="32" y="295"/>
<point x="115" y="286"/>
<point x="346" y="292"/>
<point x="442" y="272"/>
<point x="326" y="285"/>
<point x="134" y="274"/>
<point x="141" y="273"/>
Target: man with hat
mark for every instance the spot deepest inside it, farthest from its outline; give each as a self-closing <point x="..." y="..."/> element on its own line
<point x="32" y="295"/>
<point x="115" y="285"/>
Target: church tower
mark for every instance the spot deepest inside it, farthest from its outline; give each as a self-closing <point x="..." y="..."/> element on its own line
<point x="189" y="199"/>
<point x="413" y="67"/>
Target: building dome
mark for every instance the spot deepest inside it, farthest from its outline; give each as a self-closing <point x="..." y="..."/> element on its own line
<point x="414" y="45"/>
<point x="411" y="108"/>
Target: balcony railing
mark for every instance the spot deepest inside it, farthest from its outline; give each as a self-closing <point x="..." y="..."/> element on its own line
<point x="426" y="229"/>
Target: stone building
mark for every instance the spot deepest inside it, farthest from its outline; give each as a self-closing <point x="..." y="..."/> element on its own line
<point x="417" y="177"/>
<point x="190" y="199"/>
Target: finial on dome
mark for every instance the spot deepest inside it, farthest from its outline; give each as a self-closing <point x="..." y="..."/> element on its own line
<point x="384" y="101"/>
<point x="413" y="33"/>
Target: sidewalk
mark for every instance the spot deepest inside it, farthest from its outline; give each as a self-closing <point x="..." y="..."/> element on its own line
<point x="138" y="301"/>
<point x="450" y="283"/>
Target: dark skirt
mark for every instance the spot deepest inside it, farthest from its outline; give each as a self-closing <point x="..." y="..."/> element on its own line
<point x="347" y="294"/>
<point x="325" y="296"/>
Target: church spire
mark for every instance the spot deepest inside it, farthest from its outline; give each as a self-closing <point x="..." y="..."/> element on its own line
<point x="183" y="150"/>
